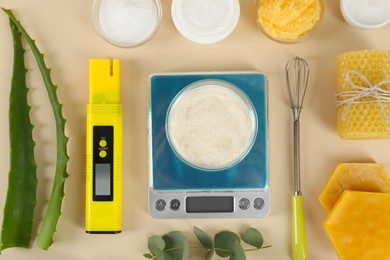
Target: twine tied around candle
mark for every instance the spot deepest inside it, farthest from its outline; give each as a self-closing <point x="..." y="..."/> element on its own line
<point x="371" y="93"/>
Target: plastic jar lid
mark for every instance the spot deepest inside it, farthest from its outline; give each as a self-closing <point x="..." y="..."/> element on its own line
<point x="211" y="125"/>
<point x="127" y="23"/>
<point x="205" y="21"/>
<point x="366" y="14"/>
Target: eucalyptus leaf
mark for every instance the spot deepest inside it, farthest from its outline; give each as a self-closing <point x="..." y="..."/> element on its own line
<point x="209" y="254"/>
<point x="176" y="245"/>
<point x="204" y="238"/>
<point x="239" y="253"/>
<point x="206" y="241"/>
<point x="148" y="255"/>
<point x="161" y="255"/>
<point x="253" y="237"/>
<point x="156" y="244"/>
<point x="225" y="243"/>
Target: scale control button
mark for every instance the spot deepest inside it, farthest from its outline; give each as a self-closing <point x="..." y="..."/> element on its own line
<point x="160" y="204"/>
<point x="103" y="143"/>
<point x="103" y="154"/>
<point x="244" y="203"/>
<point x="175" y="204"/>
<point x="258" y="203"/>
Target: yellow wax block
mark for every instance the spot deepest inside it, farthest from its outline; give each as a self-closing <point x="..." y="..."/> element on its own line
<point x="365" y="118"/>
<point x="359" y="226"/>
<point x="288" y="20"/>
<point x="354" y="176"/>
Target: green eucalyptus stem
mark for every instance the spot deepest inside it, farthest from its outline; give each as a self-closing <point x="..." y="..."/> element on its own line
<point x="254" y="249"/>
<point x="53" y="211"/>
<point x="216" y="248"/>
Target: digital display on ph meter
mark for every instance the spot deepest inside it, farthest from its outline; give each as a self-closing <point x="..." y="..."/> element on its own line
<point x="102" y="179"/>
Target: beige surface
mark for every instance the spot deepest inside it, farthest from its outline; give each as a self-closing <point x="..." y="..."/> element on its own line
<point x="64" y="31"/>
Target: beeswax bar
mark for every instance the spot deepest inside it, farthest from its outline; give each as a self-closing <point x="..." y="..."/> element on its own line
<point x="354" y="176"/>
<point x="359" y="226"/>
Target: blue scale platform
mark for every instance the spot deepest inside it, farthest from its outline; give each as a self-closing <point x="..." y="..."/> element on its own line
<point x="168" y="172"/>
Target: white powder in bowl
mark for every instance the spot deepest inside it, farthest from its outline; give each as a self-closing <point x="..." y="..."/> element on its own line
<point x="211" y="126"/>
<point x="128" y="22"/>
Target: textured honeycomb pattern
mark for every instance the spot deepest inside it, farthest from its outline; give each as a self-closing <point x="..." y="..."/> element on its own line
<point x="365" y="120"/>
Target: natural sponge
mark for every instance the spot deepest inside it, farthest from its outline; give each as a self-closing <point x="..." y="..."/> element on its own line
<point x="363" y="93"/>
<point x="354" y="176"/>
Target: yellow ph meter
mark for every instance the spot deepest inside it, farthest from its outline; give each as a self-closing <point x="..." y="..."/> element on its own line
<point x="104" y="149"/>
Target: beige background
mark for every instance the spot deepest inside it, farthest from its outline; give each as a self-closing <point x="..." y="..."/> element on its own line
<point x="64" y="31"/>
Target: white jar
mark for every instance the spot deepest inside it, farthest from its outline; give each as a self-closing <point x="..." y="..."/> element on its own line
<point x="127" y="23"/>
<point x="205" y="21"/>
<point x="366" y="14"/>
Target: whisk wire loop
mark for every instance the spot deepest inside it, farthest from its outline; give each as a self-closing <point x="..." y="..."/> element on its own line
<point x="297" y="74"/>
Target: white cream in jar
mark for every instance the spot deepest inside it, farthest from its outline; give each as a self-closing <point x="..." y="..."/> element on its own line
<point x="366" y="14"/>
<point x="205" y="21"/>
<point x="211" y="125"/>
<point x="127" y="23"/>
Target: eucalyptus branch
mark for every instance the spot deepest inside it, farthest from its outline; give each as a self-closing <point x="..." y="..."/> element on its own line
<point x="174" y="245"/>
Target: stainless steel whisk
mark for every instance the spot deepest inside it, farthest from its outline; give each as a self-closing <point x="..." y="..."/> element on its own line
<point x="297" y="74"/>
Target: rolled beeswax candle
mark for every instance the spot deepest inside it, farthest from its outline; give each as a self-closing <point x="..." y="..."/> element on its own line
<point x="363" y="86"/>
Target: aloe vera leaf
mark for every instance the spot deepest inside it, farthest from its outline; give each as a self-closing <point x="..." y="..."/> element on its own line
<point x="53" y="211"/>
<point x="22" y="180"/>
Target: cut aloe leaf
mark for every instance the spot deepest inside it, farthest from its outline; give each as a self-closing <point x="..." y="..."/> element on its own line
<point x="53" y="211"/>
<point x="22" y="180"/>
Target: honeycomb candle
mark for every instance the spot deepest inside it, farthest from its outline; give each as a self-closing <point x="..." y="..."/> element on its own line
<point x="127" y="23"/>
<point x="363" y="94"/>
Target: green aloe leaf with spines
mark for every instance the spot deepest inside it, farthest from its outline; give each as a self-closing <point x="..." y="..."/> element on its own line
<point x="53" y="211"/>
<point x="22" y="181"/>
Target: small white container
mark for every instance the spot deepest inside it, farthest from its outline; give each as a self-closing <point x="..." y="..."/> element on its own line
<point x="205" y="21"/>
<point x="366" y="14"/>
<point x="127" y="23"/>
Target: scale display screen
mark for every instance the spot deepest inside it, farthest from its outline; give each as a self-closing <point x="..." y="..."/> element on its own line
<point x="209" y="204"/>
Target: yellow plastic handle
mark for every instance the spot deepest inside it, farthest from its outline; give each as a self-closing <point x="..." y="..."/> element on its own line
<point x="299" y="244"/>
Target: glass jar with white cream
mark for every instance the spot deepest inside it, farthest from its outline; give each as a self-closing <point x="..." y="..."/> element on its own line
<point x="127" y="23"/>
<point x="205" y="21"/>
<point x="366" y="14"/>
<point x="211" y="125"/>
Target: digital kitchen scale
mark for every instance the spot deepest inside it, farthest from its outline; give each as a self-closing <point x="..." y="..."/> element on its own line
<point x="180" y="190"/>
